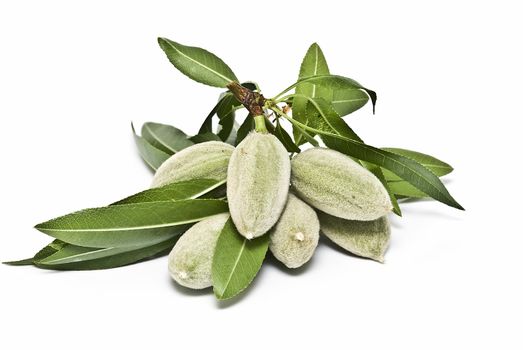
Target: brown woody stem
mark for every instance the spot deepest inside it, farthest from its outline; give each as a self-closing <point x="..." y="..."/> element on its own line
<point x="252" y="100"/>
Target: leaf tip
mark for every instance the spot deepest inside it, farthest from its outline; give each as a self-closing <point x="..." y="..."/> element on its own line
<point x="23" y="262"/>
<point x="373" y="97"/>
<point x="397" y="211"/>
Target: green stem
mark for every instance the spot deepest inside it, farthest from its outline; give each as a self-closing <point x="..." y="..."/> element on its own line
<point x="259" y="124"/>
<point x="302" y="131"/>
<point x="304" y="80"/>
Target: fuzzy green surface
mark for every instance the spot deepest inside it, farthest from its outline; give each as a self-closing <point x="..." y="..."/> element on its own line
<point x="295" y="236"/>
<point x="257" y="183"/>
<point x="190" y="261"/>
<point x="334" y="183"/>
<point x="207" y="160"/>
<point x="369" y="239"/>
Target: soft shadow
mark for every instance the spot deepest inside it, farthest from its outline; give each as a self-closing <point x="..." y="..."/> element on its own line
<point x="188" y="291"/>
<point x="396" y="221"/>
<point x="339" y="249"/>
<point x="272" y="261"/>
<point x="409" y="209"/>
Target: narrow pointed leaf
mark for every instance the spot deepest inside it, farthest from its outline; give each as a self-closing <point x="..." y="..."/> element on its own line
<point x="152" y="156"/>
<point x="46" y="251"/>
<point x="314" y="63"/>
<point x="236" y="261"/>
<point x="23" y="262"/>
<point x="165" y="137"/>
<point x="208" y="136"/>
<point x="406" y="168"/>
<point x="71" y="257"/>
<point x="225" y="110"/>
<point x="191" y="189"/>
<point x="334" y="83"/>
<point x="435" y="165"/>
<point x="409" y="170"/>
<point x="329" y="119"/>
<point x="226" y="115"/>
<point x="305" y="134"/>
<point x="348" y="101"/>
<point x="130" y="224"/>
<point x="406" y="190"/>
<point x="285" y="139"/>
<point x="378" y="172"/>
<point x="206" y="126"/>
<point x="197" y="63"/>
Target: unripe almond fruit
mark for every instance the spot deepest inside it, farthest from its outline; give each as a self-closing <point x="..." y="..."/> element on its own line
<point x="368" y="239"/>
<point x="257" y="183"/>
<point x="295" y="236"/>
<point x="206" y="160"/>
<point x="190" y="261"/>
<point x="334" y="183"/>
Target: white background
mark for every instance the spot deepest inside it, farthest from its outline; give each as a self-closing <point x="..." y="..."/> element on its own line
<point x="73" y="75"/>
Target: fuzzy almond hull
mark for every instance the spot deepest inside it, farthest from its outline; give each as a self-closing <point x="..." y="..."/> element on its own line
<point x="206" y="160"/>
<point x="334" y="183"/>
<point x="295" y="236"/>
<point x="190" y="261"/>
<point x="369" y="239"/>
<point x="257" y="183"/>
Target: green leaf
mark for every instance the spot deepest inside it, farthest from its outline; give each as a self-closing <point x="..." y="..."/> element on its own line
<point x="378" y="172"/>
<point x="130" y="224"/>
<point x="435" y="165"/>
<point x="198" y="64"/>
<point x="338" y="83"/>
<point x="71" y="257"/>
<point x="285" y="139"/>
<point x="341" y="84"/>
<point x="112" y="257"/>
<point x="165" y="137"/>
<point x="246" y="127"/>
<point x="329" y="119"/>
<point x="208" y="136"/>
<point x="23" y="262"/>
<point x="190" y="189"/>
<point x="117" y="256"/>
<point x="404" y="189"/>
<point x="152" y="156"/>
<point x="305" y="135"/>
<point x="314" y="63"/>
<point x="46" y="251"/>
<point x="236" y="261"/>
<point x="334" y="133"/>
<point x="348" y="101"/>
<point x="226" y="108"/>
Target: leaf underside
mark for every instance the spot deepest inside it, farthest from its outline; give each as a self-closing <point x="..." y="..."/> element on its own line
<point x="198" y="64"/>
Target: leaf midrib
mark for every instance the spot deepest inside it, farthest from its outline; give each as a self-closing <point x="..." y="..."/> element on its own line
<point x="315" y="69"/>
<point x="226" y="285"/>
<point x="199" y="63"/>
<point x="157" y="138"/>
<point x="351" y="100"/>
<point x="117" y="229"/>
<point x="339" y="136"/>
